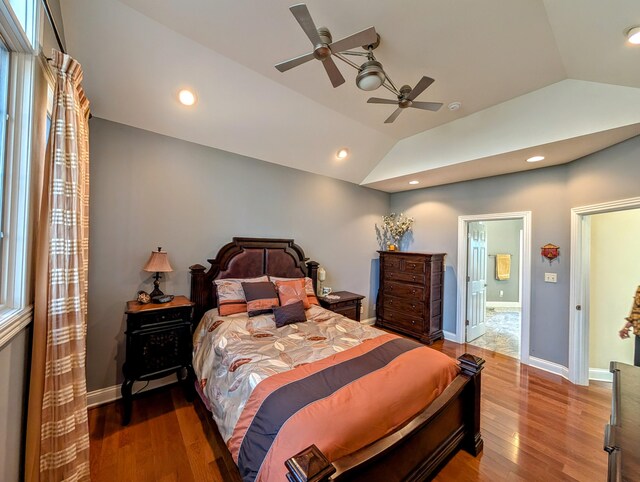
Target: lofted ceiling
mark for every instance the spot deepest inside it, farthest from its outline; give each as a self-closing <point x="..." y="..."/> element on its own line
<point x="493" y="56"/>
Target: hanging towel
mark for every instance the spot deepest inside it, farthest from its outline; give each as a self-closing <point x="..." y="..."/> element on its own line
<point x="503" y="266"/>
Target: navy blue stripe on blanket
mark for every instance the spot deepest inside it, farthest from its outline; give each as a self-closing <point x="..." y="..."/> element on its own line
<point x="285" y="401"/>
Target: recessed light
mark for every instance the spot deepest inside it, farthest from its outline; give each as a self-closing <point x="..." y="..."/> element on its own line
<point x="455" y="105"/>
<point x="342" y="153"/>
<point x="535" y="159"/>
<point x="633" y="35"/>
<point x="414" y="182"/>
<point x="186" y="97"/>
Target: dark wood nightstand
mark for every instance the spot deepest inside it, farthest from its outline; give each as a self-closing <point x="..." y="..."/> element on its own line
<point x="158" y="343"/>
<point x="348" y="305"/>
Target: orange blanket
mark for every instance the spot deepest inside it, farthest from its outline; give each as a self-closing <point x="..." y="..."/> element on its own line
<point x="340" y="404"/>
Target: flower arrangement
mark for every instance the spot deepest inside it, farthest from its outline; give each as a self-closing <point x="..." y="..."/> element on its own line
<point x="394" y="227"/>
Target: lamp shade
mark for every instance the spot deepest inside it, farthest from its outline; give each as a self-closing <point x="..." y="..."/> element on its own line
<point x="158" y="262"/>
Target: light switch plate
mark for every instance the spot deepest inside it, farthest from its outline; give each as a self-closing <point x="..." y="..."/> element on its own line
<point x="551" y="277"/>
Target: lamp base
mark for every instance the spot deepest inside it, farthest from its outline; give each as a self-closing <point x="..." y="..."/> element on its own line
<point x="156" y="287"/>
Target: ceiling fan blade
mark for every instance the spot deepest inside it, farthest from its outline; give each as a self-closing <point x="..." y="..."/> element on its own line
<point x="393" y="116"/>
<point x="301" y="12"/>
<point x="420" y="87"/>
<point x="433" y="106"/>
<point x="367" y="36"/>
<point x="291" y="63"/>
<point x="333" y="72"/>
<point x="377" y="100"/>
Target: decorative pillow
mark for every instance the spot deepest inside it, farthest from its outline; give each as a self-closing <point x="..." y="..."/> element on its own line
<point x="291" y="313"/>
<point x="261" y="297"/>
<point x="231" y="295"/>
<point x="292" y="291"/>
<point x="308" y="285"/>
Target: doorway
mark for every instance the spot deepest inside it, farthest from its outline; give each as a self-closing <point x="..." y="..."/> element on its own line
<point x="493" y="285"/>
<point x="603" y="263"/>
<point x="494" y="266"/>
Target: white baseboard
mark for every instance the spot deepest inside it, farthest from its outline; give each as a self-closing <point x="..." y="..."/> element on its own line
<point x="503" y="304"/>
<point x="448" y="335"/>
<point x="548" y="366"/>
<point x="600" y="374"/>
<point x="369" y="321"/>
<point x="110" y="394"/>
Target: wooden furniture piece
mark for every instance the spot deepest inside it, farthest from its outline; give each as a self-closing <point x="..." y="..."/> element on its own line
<point x="349" y="304"/>
<point x="410" y="294"/>
<point x="158" y="344"/>
<point x="414" y="452"/>
<point x="622" y="434"/>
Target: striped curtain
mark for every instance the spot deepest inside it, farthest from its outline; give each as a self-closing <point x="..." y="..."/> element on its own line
<point x="57" y="427"/>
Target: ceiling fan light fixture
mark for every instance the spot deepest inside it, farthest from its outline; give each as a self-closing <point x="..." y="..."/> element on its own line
<point x="633" y="35"/>
<point x="371" y="76"/>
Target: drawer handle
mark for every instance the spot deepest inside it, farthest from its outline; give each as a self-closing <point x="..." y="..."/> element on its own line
<point x="413" y="306"/>
<point x="413" y="265"/>
<point x="414" y="278"/>
<point x="413" y="291"/>
<point x="413" y="322"/>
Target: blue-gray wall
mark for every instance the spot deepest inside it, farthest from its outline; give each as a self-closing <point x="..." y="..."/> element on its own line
<point x="503" y="237"/>
<point x="550" y="193"/>
<point x="150" y="190"/>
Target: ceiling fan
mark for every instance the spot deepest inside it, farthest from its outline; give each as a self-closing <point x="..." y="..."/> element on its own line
<point x="406" y="98"/>
<point x="371" y="74"/>
<point x="323" y="45"/>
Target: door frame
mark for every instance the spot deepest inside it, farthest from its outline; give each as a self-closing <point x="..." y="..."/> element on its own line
<point x="579" y="283"/>
<point x="525" y="275"/>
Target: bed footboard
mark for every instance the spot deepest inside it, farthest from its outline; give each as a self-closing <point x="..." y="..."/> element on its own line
<point x="417" y="450"/>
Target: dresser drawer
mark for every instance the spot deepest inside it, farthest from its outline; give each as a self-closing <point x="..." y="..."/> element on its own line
<point x="391" y="263"/>
<point x="408" y="277"/>
<point x="157" y="318"/>
<point x="413" y="266"/>
<point x="404" y="264"/>
<point x="403" y="320"/>
<point x="348" y="311"/>
<point x="404" y="290"/>
<point x="413" y="307"/>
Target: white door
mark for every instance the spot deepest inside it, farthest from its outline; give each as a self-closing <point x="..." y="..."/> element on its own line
<point x="476" y="279"/>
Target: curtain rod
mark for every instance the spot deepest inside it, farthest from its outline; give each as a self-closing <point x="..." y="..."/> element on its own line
<point x="47" y="9"/>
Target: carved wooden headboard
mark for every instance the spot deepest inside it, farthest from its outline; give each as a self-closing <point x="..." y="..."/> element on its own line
<point x="248" y="258"/>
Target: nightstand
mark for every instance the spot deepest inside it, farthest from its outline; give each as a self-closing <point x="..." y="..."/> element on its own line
<point x="347" y="305"/>
<point x="158" y="343"/>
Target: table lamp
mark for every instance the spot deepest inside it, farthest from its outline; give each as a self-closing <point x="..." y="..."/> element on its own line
<point x="158" y="263"/>
<point x="322" y="275"/>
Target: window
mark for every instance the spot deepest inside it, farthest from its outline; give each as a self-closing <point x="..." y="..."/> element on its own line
<point x="4" y="121"/>
<point x="24" y="11"/>
<point x="17" y="64"/>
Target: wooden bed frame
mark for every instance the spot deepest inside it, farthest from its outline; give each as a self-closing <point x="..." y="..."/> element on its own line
<point x="414" y="452"/>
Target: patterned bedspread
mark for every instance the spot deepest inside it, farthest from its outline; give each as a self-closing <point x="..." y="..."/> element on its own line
<point x="275" y="391"/>
<point x="232" y="354"/>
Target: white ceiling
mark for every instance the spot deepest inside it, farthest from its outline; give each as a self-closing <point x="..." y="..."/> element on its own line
<point x="137" y="53"/>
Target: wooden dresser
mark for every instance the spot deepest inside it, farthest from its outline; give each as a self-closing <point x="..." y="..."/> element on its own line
<point x="410" y="294"/>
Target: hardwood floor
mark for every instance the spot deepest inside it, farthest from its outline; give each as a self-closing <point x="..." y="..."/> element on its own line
<point x="535" y="425"/>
